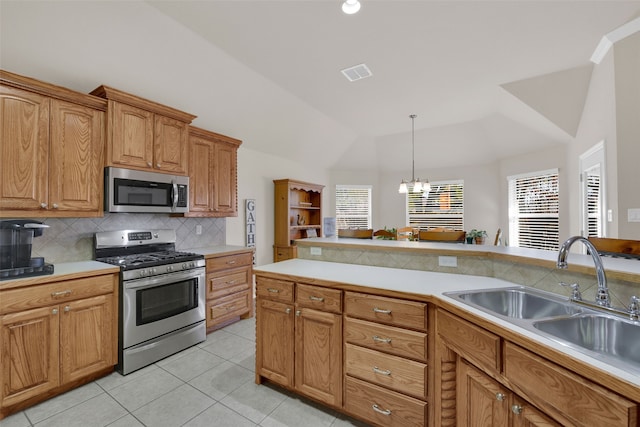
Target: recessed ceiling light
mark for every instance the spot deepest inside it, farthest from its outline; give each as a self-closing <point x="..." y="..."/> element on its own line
<point x="357" y="72"/>
<point x="350" y="6"/>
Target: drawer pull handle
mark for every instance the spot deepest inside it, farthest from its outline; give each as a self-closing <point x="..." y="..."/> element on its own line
<point x="231" y="282"/>
<point x="273" y="290"/>
<point x="384" y="340"/>
<point x="312" y="298"/>
<point x="231" y="262"/>
<point x="381" y="310"/>
<point x="381" y="411"/>
<point x="60" y="294"/>
<point x="380" y="371"/>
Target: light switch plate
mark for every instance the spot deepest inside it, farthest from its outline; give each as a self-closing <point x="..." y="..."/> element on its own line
<point x="448" y="261"/>
<point x="316" y="251"/>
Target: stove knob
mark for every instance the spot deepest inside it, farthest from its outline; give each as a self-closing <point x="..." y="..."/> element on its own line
<point x="142" y="273"/>
<point x="154" y="270"/>
<point x="193" y="264"/>
<point x="169" y="268"/>
<point x="184" y="265"/>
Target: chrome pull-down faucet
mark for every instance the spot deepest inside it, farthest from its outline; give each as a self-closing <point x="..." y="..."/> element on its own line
<point x="602" y="296"/>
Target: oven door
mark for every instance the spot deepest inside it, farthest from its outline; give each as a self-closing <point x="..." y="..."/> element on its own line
<point x="158" y="305"/>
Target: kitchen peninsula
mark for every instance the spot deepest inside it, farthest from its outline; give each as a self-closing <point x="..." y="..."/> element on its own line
<point x="385" y="345"/>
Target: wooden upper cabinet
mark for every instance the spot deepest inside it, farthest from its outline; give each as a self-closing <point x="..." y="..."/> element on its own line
<point x="145" y="135"/>
<point x="52" y="150"/>
<point x="212" y="174"/>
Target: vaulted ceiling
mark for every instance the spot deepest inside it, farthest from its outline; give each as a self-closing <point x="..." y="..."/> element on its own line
<point x="487" y="79"/>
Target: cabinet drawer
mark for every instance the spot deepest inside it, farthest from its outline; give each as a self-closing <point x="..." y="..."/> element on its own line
<point x="228" y="307"/>
<point x="228" y="282"/>
<point x="406" y="314"/>
<point x="283" y="253"/>
<point x="389" y="339"/>
<point x="42" y="295"/>
<point x="471" y="342"/>
<point x="278" y="290"/>
<point x="229" y="261"/>
<point x="323" y="299"/>
<point x="403" y="375"/>
<point x="581" y="401"/>
<point x="383" y="407"/>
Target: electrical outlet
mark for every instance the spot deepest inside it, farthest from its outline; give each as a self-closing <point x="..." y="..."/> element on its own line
<point x="448" y="261"/>
<point x="316" y="251"/>
<point x="198" y="230"/>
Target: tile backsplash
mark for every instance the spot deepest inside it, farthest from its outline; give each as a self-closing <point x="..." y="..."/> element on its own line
<point x="71" y="239"/>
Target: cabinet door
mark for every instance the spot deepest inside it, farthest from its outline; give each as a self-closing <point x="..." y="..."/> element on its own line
<point x="524" y="415"/>
<point x="201" y="175"/>
<point x="24" y="149"/>
<point x="318" y="367"/>
<point x="170" y="145"/>
<point x="480" y="400"/>
<point x="274" y="346"/>
<point x="86" y="337"/>
<point x="28" y="354"/>
<point x="77" y="141"/>
<point x="225" y="189"/>
<point x="131" y="138"/>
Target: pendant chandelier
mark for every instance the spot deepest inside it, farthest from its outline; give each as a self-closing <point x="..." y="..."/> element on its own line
<point x="415" y="185"/>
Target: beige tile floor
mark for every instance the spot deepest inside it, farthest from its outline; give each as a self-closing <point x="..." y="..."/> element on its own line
<point x="211" y="384"/>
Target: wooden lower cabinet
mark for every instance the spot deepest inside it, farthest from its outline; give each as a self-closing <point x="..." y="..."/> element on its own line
<point x="297" y="346"/>
<point x="478" y="370"/>
<point x="54" y="336"/>
<point x="229" y="288"/>
<point x="482" y="401"/>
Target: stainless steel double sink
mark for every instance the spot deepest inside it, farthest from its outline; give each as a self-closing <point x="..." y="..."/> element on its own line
<point x="610" y="338"/>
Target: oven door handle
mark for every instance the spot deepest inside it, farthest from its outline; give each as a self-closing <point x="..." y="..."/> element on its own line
<point x="150" y="282"/>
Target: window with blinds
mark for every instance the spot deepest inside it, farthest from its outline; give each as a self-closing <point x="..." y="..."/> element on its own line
<point x="593" y="204"/>
<point x="353" y="206"/>
<point x="443" y="206"/>
<point x="533" y="210"/>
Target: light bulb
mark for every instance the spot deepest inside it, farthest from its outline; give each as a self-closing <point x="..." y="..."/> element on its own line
<point x="426" y="187"/>
<point x="403" y="187"/>
<point x="350" y="6"/>
<point x="417" y="187"/>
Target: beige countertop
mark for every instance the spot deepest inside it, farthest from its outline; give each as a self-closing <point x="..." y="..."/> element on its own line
<point x="63" y="271"/>
<point x="429" y="284"/>
<point x="209" y="251"/>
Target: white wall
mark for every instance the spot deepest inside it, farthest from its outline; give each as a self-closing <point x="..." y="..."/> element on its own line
<point x="256" y="172"/>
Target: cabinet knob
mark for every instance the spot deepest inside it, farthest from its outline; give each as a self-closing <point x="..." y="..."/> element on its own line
<point x="516" y="409"/>
<point x="158" y="165"/>
<point x="54" y="311"/>
<point x="288" y="310"/>
<point x="500" y="397"/>
<point x="149" y="164"/>
<point x="43" y="205"/>
<point x="67" y="308"/>
<point x="55" y="206"/>
<point x="298" y="313"/>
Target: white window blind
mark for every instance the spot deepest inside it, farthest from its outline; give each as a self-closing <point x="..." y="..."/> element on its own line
<point x="353" y="206"/>
<point x="533" y="210"/>
<point x="443" y="206"/>
<point x="594" y="216"/>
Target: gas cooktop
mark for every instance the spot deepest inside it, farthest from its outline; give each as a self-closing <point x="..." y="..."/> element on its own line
<point x="149" y="259"/>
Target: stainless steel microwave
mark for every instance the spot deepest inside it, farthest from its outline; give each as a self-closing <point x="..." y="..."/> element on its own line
<point x="128" y="190"/>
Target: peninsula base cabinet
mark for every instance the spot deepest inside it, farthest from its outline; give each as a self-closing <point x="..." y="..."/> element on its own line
<point x="486" y="380"/>
<point x="299" y="338"/>
<point x="54" y="337"/>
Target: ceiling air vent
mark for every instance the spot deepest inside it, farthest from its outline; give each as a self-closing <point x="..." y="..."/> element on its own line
<point x="357" y="72"/>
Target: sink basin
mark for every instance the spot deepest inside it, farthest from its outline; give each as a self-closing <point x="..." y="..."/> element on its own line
<point x="607" y="335"/>
<point x="517" y="303"/>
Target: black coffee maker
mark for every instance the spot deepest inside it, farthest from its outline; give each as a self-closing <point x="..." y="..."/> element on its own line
<point x="16" y="238"/>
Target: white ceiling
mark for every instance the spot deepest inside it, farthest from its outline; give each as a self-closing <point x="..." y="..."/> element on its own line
<point x="442" y="60"/>
<point x="268" y="72"/>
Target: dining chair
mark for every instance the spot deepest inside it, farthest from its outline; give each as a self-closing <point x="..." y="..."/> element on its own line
<point x="498" y="239"/>
<point x="356" y="233"/>
<point x="405" y="233"/>
<point x="455" y="236"/>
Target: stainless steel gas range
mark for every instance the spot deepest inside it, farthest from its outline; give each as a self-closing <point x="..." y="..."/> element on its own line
<point x="162" y="295"/>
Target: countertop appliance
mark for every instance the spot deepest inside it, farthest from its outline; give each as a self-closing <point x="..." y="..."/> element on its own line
<point x="128" y="190"/>
<point x="162" y="295"/>
<point x="16" y="242"/>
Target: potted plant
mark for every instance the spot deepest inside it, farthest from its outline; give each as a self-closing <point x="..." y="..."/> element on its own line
<point x="477" y="235"/>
